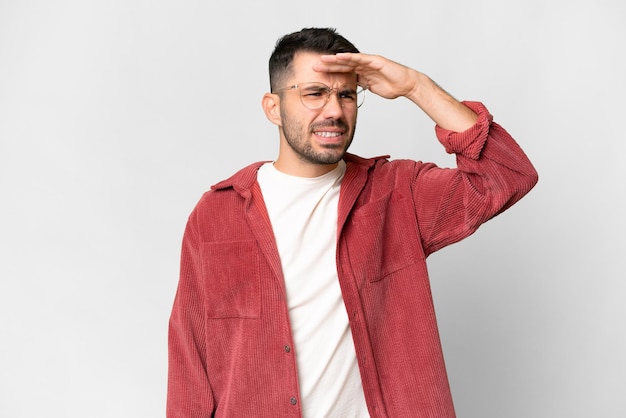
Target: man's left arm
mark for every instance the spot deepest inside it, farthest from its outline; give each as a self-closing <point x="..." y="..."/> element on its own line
<point x="492" y="171"/>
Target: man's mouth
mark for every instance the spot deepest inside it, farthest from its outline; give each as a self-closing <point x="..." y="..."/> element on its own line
<point x="328" y="134"/>
<point x="330" y="131"/>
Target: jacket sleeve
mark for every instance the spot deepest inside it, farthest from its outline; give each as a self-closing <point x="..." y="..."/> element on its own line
<point x="492" y="174"/>
<point x="189" y="393"/>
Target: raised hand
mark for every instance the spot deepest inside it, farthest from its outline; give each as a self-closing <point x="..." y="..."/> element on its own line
<point x="378" y="74"/>
<point x="389" y="79"/>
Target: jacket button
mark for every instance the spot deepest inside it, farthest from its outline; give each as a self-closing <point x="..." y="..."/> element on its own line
<point x="287" y="349"/>
<point x="293" y="401"/>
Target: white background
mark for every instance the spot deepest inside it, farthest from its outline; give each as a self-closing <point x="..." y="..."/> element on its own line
<point x="116" y="115"/>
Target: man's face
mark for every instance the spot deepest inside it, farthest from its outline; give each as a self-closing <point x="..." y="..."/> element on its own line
<point x="320" y="136"/>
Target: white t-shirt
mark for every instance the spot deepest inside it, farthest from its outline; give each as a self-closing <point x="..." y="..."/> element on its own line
<point x="303" y="212"/>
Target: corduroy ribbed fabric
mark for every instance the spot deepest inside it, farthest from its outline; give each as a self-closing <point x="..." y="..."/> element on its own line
<point x="230" y="342"/>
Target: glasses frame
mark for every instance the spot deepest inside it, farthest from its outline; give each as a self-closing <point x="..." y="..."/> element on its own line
<point x="360" y="92"/>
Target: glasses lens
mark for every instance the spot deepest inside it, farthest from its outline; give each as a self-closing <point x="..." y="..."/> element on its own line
<point x="360" y="96"/>
<point x="316" y="95"/>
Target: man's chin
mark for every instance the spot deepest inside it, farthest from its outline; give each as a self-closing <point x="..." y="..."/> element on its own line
<point x="326" y="159"/>
<point x="330" y="155"/>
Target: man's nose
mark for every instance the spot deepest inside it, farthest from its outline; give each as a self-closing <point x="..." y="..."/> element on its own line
<point x="333" y="105"/>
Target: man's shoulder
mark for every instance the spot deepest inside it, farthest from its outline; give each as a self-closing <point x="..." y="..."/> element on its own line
<point x="242" y="179"/>
<point x="364" y="162"/>
<point x="381" y="165"/>
<point x="227" y="193"/>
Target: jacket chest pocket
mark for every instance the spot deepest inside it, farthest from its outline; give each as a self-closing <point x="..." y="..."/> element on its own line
<point x="387" y="238"/>
<point x="231" y="279"/>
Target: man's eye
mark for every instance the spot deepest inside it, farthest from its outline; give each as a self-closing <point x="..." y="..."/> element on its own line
<point x="317" y="93"/>
<point x="348" y="95"/>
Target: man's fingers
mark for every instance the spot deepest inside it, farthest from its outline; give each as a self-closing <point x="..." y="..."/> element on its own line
<point x="346" y="58"/>
<point x="334" y="68"/>
<point x="343" y="62"/>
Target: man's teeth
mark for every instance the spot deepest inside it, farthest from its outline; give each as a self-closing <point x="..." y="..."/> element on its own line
<point x="328" y="134"/>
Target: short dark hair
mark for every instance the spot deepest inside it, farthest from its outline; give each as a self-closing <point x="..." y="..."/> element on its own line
<point x="316" y="40"/>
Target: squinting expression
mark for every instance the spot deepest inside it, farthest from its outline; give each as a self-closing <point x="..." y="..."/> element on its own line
<point x="335" y="136"/>
<point x="319" y="136"/>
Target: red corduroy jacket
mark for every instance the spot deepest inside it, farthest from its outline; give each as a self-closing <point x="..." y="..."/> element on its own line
<point x="230" y="343"/>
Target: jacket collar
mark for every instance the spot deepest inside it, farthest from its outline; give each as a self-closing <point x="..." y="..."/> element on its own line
<point x="243" y="180"/>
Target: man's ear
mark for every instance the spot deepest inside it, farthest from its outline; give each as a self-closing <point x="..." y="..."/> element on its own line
<point x="271" y="107"/>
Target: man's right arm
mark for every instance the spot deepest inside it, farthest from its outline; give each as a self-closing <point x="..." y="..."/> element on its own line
<point x="189" y="393"/>
<point x="391" y="80"/>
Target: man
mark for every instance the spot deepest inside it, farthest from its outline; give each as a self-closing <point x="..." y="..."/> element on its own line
<point x="303" y="287"/>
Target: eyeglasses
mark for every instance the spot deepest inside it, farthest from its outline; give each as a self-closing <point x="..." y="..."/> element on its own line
<point x="316" y="95"/>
